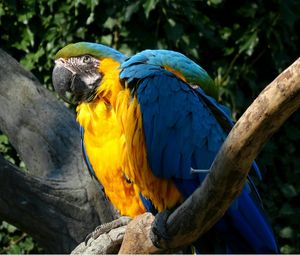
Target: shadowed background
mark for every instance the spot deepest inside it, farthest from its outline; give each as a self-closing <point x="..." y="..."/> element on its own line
<point x="243" y="46"/>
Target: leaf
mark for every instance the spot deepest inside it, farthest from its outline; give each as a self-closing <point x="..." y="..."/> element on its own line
<point x="11" y="228"/>
<point x="110" y="23"/>
<point x="228" y="51"/>
<point x="2" y="11"/>
<point x="3" y="143"/>
<point x="149" y="5"/>
<point x="248" y="10"/>
<point x="286" y="210"/>
<point x="225" y="33"/>
<point x="107" y="39"/>
<point x="27" y="245"/>
<point x="288" y="190"/>
<point x="14" y="249"/>
<point x="287" y="249"/>
<point x="130" y="10"/>
<point x="81" y="32"/>
<point x="27" y="40"/>
<point x="214" y="2"/>
<point x="286" y="232"/>
<point x="90" y="19"/>
<point x="248" y="43"/>
<point x="22" y="166"/>
<point x="31" y="59"/>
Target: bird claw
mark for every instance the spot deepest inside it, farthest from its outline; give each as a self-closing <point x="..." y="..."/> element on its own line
<point x="106" y="227"/>
<point x="159" y="230"/>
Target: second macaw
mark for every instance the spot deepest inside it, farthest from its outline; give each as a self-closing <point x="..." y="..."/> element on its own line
<point x="150" y="132"/>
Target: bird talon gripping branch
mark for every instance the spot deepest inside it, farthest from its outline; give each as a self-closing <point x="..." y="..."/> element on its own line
<point x="159" y="228"/>
<point x="106" y="227"/>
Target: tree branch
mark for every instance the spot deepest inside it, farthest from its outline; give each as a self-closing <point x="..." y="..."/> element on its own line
<point x="43" y="208"/>
<point x="229" y="170"/>
<point x="40" y="127"/>
<point x="56" y="201"/>
<point x="109" y="243"/>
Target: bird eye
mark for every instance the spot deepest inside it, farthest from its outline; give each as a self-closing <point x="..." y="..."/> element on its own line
<point x="86" y="59"/>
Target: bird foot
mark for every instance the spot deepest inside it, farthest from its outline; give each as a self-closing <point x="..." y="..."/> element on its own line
<point x="106" y="227"/>
<point x="159" y="229"/>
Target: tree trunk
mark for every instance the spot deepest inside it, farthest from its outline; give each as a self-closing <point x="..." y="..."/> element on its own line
<point x="55" y="201"/>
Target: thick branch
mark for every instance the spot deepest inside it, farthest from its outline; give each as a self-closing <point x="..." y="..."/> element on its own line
<point x="230" y="168"/>
<point x="48" y="209"/>
<point x="56" y="201"/>
<point x="40" y="128"/>
<point x="107" y="243"/>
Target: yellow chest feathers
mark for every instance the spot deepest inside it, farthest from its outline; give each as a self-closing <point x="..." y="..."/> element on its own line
<point x="115" y="144"/>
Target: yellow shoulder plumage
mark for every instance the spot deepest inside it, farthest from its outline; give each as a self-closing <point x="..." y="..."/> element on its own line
<point x="115" y="145"/>
<point x="104" y="140"/>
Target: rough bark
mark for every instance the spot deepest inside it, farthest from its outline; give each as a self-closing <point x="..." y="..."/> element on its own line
<point x="56" y="201"/>
<point x="108" y="243"/>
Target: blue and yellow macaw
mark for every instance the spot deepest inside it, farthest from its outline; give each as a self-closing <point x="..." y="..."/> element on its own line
<point x="150" y="131"/>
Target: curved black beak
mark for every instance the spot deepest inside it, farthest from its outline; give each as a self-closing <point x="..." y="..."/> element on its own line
<point x="62" y="80"/>
<point x="80" y="81"/>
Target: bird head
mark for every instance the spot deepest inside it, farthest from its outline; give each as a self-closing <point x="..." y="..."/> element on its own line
<point x="77" y="70"/>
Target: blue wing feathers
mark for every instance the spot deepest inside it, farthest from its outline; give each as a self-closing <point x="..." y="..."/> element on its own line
<point x="174" y="118"/>
<point x="148" y="204"/>
<point x="223" y="110"/>
<point x="182" y="131"/>
<point x="225" y="114"/>
<point x="249" y="219"/>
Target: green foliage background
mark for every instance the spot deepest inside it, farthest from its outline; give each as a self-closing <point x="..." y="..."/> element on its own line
<point x="242" y="44"/>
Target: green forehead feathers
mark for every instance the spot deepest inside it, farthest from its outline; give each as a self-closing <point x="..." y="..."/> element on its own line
<point x="85" y="48"/>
